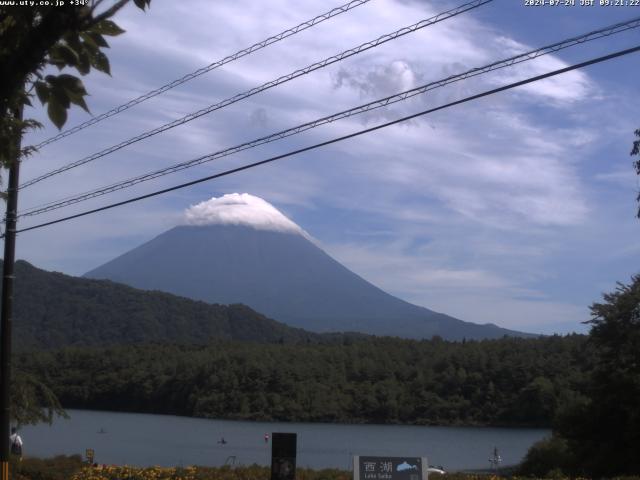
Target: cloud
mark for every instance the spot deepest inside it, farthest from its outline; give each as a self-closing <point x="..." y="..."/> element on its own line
<point x="259" y="117"/>
<point x="493" y="186"/>
<point x="482" y="293"/>
<point x="622" y="177"/>
<point x="561" y="90"/>
<point x="381" y="80"/>
<point x="240" y="209"/>
<point x="508" y="174"/>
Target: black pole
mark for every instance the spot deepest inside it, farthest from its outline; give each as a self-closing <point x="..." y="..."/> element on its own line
<point x="7" y="307"/>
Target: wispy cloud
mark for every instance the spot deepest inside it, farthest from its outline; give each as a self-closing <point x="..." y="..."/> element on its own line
<point x="477" y="294"/>
<point x="467" y="211"/>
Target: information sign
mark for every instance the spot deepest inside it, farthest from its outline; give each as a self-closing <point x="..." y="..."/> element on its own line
<point x="389" y="468"/>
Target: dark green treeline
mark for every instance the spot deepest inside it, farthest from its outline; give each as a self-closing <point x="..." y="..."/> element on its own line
<point x="377" y="380"/>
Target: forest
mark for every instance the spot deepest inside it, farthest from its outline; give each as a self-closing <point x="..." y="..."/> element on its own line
<point x="508" y="382"/>
<point x="585" y="387"/>
<point x="52" y="310"/>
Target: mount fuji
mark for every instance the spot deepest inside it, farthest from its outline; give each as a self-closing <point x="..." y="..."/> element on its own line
<point x="240" y="249"/>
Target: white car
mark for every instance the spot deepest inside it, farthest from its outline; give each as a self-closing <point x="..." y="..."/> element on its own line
<point x="438" y="469"/>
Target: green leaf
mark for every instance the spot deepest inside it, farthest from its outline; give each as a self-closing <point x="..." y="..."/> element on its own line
<point x="107" y="27"/>
<point x="71" y="84"/>
<point x="99" y="61"/>
<point x="73" y="41"/>
<point x="68" y="89"/>
<point x="61" y="52"/>
<point x="59" y="95"/>
<point x="142" y="4"/>
<point x="84" y="63"/>
<point x="79" y="100"/>
<point x="57" y="113"/>
<point x="89" y="41"/>
<point x="90" y="47"/>
<point x="76" y="92"/>
<point x="42" y="90"/>
<point x="95" y="38"/>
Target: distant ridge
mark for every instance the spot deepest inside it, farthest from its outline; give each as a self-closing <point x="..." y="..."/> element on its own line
<point x="53" y="310"/>
<point x="240" y="249"/>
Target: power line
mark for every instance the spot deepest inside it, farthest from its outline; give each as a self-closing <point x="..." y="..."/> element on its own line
<point x="212" y="66"/>
<point x="283" y="79"/>
<point x="338" y="139"/>
<point x="603" y="32"/>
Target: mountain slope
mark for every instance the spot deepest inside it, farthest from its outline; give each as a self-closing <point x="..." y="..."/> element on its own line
<point x="284" y="276"/>
<point x="52" y="310"/>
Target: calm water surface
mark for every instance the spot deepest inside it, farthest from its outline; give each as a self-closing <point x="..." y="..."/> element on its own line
<point x="143" y="440"/>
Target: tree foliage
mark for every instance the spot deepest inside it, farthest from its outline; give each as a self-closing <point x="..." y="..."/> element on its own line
<point x="601" y="427"/>
<point x="52" y="310"/>
<point x="365" y="380"/>
<point x="31" y="400"/>
<point x="298" y="376"/>
<point x="546" y="457"/>
<point x="36" y="40"/>
<point x="596" y="434"/>
<point x="636" y="164"/>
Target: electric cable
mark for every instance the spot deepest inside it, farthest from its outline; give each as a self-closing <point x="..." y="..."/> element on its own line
<point x="335" y="140"/>
<point x="283" y="79"/>
<point x="70" y="200"/>
<point x="212" y="66"/>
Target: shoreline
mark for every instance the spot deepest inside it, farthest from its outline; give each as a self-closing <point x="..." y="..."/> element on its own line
<point x="302" y="422"/>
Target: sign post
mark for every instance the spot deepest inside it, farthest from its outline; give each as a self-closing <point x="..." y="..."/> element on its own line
<point x="90" y="454"/>
<point x="390" y="468"/>
<point x="283" y="456"/>
<point x="495" y="459"/>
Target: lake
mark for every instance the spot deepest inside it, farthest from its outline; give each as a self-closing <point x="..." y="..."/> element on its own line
<point x="144" y="440"/>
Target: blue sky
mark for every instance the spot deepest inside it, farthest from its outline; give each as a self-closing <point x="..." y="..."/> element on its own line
<point x="517" y="209"/>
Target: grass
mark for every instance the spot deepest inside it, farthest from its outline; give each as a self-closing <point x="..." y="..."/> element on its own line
<point x="73" y="468"/>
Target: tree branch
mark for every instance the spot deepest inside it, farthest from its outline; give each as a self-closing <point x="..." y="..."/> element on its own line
<point x="110" y="12"/>
<point x="95" y="4"/>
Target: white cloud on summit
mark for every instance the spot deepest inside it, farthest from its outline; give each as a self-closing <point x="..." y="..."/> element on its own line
<point x="240" y="209"/>
<point x="515" y="170"/>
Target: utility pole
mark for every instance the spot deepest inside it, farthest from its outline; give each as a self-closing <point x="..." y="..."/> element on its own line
<point x="6" y="313"/>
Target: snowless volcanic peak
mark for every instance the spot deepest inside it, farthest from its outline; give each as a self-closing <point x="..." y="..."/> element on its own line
<point x="240" y="209"/>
